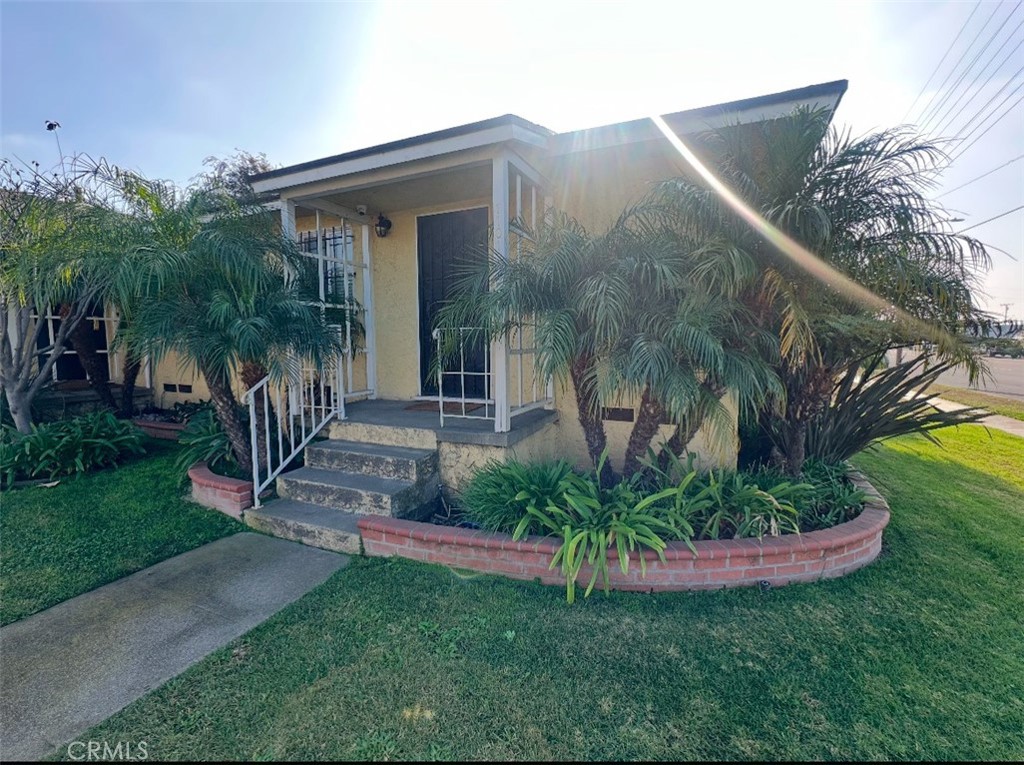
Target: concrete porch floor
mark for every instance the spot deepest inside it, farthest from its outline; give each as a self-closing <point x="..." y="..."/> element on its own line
<point x="456" y="430"/>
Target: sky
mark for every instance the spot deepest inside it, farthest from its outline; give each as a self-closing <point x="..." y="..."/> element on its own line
<point x="158" y="86"/>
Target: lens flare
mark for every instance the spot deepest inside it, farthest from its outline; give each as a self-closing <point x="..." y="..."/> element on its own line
<point x="795" y="251"/>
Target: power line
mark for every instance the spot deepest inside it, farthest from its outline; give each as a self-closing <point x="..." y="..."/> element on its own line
<point x="979" y="117"/>
<point x="963" y="75"/>
<point x="950" y="114"/>
<point x="983" y="175"/>
<point x="989" y="220"/>
<point x="927" y="109"/>
<point x="961" y="150"/>
<point x="941" y="61"/>
<point x="1001" y="117"/>
<point x="978" y="91"/>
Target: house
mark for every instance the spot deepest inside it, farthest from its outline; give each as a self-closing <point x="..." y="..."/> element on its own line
<point x="382" y="227"/>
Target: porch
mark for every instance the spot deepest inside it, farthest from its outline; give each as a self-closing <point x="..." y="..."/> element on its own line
<point x="383" y="284"/>
<point x="385" y="234"/>
<point x="424" y="417"/>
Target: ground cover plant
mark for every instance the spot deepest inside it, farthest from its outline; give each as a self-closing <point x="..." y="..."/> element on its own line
<point x="67" y="447"/>
<point x="204" y="440"/>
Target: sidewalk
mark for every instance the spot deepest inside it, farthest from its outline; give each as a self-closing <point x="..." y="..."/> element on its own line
<point x="996" y="421"/>
<point x="74" y="665"/>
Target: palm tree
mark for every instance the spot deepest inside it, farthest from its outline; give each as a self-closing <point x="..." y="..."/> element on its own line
<point x="634" y="313"/>
<point x="672" y="334"/>
<point x="548" y="285"/>
<point x="861" y="206"/>
<point x="58" y="241"/>
<point x="220" y="293"/>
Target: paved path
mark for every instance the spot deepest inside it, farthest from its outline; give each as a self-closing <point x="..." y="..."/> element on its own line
<point x="70" y="667"/>
<point x="997" y="421"/>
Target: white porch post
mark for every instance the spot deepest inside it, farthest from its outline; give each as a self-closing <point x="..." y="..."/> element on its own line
<point x="288" y="229"/>
<point x="499" y="356"/>
<point x="369" y="320"/>
<point x="548" y="204"/>
<point x="288" y="218"/>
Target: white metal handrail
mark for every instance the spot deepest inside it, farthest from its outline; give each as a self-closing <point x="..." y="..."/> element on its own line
<point x="303" y="406"/>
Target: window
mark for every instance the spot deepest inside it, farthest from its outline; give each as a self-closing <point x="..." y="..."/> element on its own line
<point x="68" y="366"/>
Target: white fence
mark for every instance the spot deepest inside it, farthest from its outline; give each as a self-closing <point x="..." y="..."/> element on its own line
<point x="523" y="391"/>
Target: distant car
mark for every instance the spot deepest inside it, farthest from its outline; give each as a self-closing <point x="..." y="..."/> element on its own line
<point x="1004" y="347"/>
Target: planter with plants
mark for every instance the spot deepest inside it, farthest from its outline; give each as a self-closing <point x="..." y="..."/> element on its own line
<point x="207" y="462"/>
<point x="663" y="528"/>
<point x="167" y="424"/>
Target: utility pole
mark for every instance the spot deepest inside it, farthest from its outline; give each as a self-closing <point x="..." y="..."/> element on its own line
<point x="1006" y="310"/>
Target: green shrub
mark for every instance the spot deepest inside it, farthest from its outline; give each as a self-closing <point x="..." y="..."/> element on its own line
<point x="833" y="500"/>
<point x="824" y="498"/>
<point x="726" y="504"/>
<point x="665" y="503"/>
<point x="204" y="440"/>
<point x="500" y="493"/>
<point x="737" y="507"/>
<point x="870" y="404"/>
<point x="67" y="447"/>
<point x="593" y="520"/>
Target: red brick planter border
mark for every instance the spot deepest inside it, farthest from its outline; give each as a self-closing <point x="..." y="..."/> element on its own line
<point x="728" y="563"/>
<point x="168" y="431"/>
<point x="229" y="495"/>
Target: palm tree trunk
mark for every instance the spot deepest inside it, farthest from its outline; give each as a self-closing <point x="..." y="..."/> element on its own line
<point x="132" y="367"/>
<point x="808" y="392"/>
<point x="796" y="448"/>
<point x="226" y="409"/>
<point x="251" y="373"/>
<point x="92" y="362"/>
<point x="649" y="416"/>
<point x="676" y="444"/>
<point x="590" y="416"/>
<point x="685" y="431"/>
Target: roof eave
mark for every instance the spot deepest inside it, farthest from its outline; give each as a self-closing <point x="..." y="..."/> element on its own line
<point x="824" y="95"/>
<point x="508" y="128"/>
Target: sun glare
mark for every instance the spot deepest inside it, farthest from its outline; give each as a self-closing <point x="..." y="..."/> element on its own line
<point x="792" y="249"/>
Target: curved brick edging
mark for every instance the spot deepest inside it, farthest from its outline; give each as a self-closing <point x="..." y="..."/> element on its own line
<point x="229" y="495"/>
<point x="728" y="563"/>
<point x="166" y="431"/>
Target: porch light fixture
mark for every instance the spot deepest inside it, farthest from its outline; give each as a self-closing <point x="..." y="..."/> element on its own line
<point x="382" y="226"/>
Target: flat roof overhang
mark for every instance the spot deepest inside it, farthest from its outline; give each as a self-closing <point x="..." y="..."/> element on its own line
<point x="440" y="150"/>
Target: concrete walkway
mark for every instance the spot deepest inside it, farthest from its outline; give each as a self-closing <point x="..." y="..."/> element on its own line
<point x="74" y="665"/>
<point x="996" y="421"/>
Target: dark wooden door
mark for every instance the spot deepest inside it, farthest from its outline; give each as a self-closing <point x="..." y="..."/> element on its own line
<point x="448" y="243"/>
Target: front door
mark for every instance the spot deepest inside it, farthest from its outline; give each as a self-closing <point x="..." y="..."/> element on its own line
<point x="447" y="243"/>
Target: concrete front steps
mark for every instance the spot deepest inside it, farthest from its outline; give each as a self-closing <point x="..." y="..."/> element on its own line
<point x="321" y="503"/>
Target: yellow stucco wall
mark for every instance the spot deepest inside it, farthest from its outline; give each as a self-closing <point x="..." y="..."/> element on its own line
<point x="595" y="186"/>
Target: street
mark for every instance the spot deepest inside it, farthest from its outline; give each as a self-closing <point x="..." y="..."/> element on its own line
<point x="1007" y="377"/>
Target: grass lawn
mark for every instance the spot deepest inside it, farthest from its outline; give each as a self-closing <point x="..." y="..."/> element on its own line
<point x="919" y="656"/>
<point x="1008" y="406"/>
<point x="60" y="542"/>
